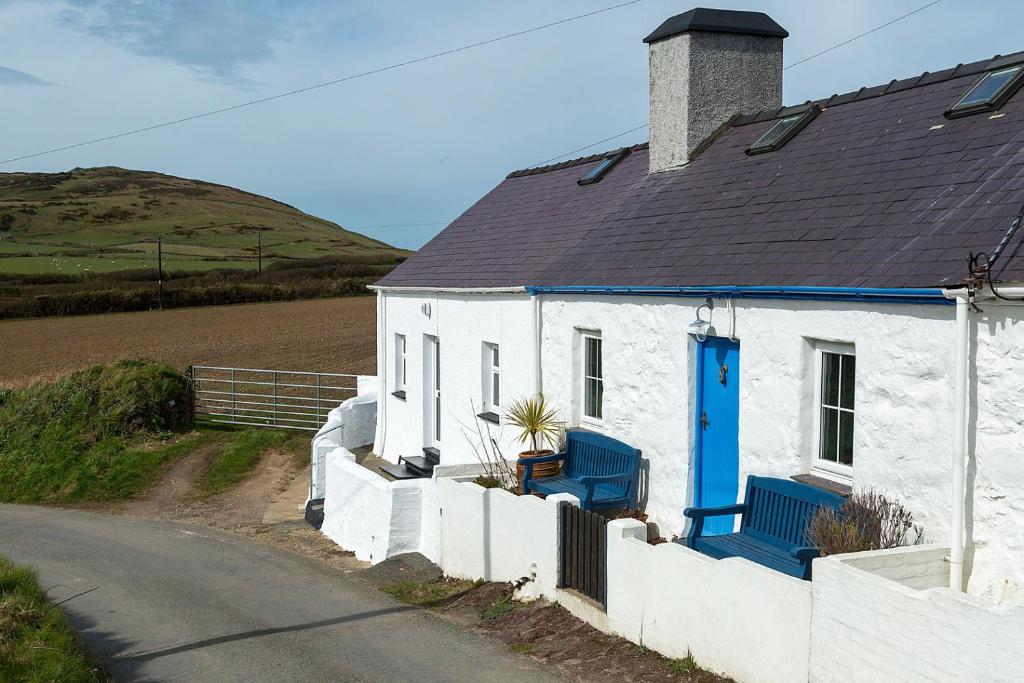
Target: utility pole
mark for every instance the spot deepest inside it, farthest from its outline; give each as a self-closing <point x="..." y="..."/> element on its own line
<point x="259" y="252"/>
<point x="160" y="272"/>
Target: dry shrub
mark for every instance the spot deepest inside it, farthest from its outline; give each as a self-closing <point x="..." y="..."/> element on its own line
<point x="867" y="521"/>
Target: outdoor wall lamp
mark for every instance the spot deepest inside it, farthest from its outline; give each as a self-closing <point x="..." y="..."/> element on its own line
<point x="699" y="327"/>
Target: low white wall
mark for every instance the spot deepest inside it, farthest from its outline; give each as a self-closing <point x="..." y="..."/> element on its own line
<point x="495" y="535"/>
<point x="369" y="515"/>
<point x="350" y="425"/>
<point x="866" y="627"/>
<point x="733" y="616"/>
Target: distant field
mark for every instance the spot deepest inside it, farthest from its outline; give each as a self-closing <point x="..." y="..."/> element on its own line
<point x="99" y="220"/>
<point x="325" y="335"/>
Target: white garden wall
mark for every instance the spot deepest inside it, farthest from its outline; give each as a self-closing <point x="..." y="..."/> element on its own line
<point x="876" y="616"/>
<point x="910" y="627"/>
<point x="733" y="616"/>
<point x="495" y="535"/>
<point x="904" y="397"/>
<point x="350" y="425"/>
<point x="369" y="515"/>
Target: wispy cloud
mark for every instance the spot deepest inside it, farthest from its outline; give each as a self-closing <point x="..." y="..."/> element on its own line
<point x="13" y="77"/>
<point x="215" y="38"/>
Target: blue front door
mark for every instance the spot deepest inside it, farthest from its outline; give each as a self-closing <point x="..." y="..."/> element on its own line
<point x="717" y="429"/>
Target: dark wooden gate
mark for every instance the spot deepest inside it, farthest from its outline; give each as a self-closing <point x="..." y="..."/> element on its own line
<point x="582" y="552"/>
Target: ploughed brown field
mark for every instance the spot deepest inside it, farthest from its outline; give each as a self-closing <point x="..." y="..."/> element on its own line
<point x="322" y="335"/>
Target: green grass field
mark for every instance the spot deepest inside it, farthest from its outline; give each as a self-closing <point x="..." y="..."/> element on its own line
<point x="108" y="219"/>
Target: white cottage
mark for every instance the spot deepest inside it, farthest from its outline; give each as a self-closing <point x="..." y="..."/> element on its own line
<point x="761" y="289"/>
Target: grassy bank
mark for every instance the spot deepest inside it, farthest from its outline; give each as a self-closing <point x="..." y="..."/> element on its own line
<point x="100" y="434"/>
<point x="36" y="641"/>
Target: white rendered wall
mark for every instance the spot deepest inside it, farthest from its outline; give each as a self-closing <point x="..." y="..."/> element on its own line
<point x="903" y="397"/>
<point x="350" y="425"/>
<point x="734" y="617"/>
<point x="868" y="628"/>
<point x="494" y="535"/>
<point x="995" y="468"/>
<point x="369" y="515"/>
<point x="462" y="323"/>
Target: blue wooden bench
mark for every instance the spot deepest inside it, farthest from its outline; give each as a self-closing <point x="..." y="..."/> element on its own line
<point x="773" y="525"/>
<point x="602" y="472"/>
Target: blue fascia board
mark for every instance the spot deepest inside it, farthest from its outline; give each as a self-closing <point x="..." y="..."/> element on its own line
<point x="932" y="296"/>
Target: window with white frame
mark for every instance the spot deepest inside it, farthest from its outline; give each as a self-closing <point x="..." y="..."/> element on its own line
<point x="492" y="378"/>
<point x="836" y="386"/>
<point x="400" y="364"/>
<point x="593" y="377"/>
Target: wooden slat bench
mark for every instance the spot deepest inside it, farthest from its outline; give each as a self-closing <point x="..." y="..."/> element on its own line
<point x="773" y="525"/>
<point x="602" y="472"/>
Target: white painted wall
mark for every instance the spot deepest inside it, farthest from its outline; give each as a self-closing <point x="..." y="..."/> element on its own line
<point x="462" y="323"/>
<point x="734" y="617"/>
<point x="494" y="535"/>
<point x="904" y="397"/>
<point x="369" y="515"/>
<point x="868" y="628"/>
<point x="350" y="425"/>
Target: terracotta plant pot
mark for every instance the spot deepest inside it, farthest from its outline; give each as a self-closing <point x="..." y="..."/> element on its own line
<point x="544" y="469"/>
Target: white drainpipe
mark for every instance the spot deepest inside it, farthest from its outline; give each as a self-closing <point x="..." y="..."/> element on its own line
<point x="961" y="355"/>
<point x="538" y="384"/>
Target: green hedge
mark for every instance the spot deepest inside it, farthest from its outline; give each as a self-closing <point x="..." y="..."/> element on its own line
<point x="123" y="300"/>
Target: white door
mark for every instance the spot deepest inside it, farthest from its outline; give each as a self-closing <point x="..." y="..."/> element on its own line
<point x="432" y="397"/>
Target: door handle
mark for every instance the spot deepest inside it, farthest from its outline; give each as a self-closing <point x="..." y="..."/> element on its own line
<point x="704" y="420"/>
<point x="723" y="372"/>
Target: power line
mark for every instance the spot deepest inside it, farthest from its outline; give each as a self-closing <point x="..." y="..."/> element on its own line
<point x="866" y="33"/>
<point x="593" y="144"/>
<point x="325" y="84"/>
<point x="788" y="66"/>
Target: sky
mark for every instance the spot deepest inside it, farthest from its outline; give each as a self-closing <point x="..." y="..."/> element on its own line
<point x="399" y="154"/>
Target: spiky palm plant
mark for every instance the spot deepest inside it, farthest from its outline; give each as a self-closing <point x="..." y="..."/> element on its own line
<point x="537" y="420"/>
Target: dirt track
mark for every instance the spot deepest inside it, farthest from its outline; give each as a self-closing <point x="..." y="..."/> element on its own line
<point x="325" y="335"/>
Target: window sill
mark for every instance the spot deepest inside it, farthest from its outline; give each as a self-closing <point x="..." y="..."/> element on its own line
<point x="490" y="417"/>
<point x="399" y="394"/>
<point x="826" y="484"/>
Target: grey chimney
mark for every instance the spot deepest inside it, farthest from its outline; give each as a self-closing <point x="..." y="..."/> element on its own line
<point x="708" y="65"/>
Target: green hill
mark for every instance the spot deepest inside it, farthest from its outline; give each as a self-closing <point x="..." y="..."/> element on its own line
<point x="97" y="220"/>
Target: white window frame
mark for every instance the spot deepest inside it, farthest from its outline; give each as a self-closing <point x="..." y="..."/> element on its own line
<point x="827" y="468"/>
<point x="584" y="336"/>
<point x="401" y="363"/>
<point x="491" y="377"/>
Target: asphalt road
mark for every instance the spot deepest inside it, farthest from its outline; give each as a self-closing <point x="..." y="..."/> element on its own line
<point x="184" y="603"/>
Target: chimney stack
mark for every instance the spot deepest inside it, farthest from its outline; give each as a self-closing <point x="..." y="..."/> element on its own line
<point x="706" y="66"/>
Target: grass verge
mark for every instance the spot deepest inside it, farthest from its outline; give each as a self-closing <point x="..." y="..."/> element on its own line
<point x="429" y="593"/>
<point x="36" y="641"/>
<point x="237" y="460"/>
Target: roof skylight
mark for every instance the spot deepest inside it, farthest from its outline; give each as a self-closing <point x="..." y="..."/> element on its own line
<point x="991" y="92"/>
<point x="595" y="174"/>
<point x="783" y="131"/>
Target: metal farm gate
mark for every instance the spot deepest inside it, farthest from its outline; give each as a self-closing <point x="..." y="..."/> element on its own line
<point x="583" y="552"/>
<point x="284" y="399"/>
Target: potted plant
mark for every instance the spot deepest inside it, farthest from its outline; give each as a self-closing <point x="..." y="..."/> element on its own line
<point x="540" y="427"/>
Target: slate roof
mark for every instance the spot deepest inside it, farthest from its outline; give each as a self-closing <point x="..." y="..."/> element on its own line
<point x="870" y="193"/>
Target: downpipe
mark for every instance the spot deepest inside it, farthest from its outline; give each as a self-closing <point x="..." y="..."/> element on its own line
<point x="538" y="384"/>
<point x="961" y="352"/>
